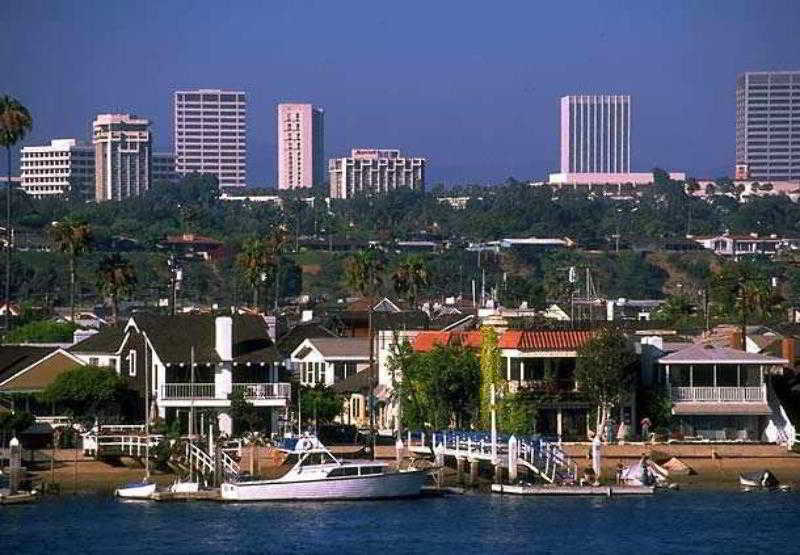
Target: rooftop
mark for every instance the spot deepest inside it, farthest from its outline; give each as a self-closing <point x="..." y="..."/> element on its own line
<point x="701" y="353"/>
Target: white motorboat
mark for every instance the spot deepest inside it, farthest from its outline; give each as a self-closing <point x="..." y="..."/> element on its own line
<point x="313" y="473"/>
<point x="136" y="490"/>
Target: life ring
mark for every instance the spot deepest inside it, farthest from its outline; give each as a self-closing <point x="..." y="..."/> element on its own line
<point x="307" y="445"/>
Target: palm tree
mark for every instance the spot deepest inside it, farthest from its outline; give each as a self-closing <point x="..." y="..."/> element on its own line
<point x="257" y="259"/>
<point x="362" y="271"/>
<point x="15" y="122"/>
<point x="410" y="276"/>
<point x="71" y="237"/>
<point x="115" y="277"/>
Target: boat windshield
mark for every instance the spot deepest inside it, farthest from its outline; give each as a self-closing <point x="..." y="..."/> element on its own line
<point x="317" y="458"/>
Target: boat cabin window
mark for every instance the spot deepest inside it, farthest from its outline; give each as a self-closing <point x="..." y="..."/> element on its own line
<point x="343" y="471"/>
<point x="371" y="470"/>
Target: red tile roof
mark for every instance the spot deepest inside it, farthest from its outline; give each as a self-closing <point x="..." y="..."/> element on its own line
<point x="555" y="340"/>
<point x="427" y="340"/>
<point x="542" y="340"/>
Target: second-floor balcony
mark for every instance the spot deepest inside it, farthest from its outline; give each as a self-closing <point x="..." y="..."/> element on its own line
<point x="754" y="394"/>
<point x="208" y="391"/>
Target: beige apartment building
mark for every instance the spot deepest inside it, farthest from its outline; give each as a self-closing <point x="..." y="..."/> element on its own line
<point x="123" y="144"/>
<point x="211" y="134"/>
<point x="301" y="151"/>
<point x="372" y="170"/>
<point x="53" y="170"/>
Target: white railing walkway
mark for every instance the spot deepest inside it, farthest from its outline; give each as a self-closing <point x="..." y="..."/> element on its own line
<point x="545" y="458"/>
<point x="719" y="394"/>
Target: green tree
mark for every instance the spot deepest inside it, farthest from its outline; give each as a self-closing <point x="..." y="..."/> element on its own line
<point x="73" y="238"/>
<point x="320" y="404"/>
<point x="245" y="415"/>
<point x="410" y="276"/>
<point x="88" y="393"/>
<point x="115" y="277"/>
<point x="43" y="331"/>
<point x="15" y="123"/>
<point x="491" y="374"/>
<point x="605" y="371"/>
<point x="437" y="389"/>
<point x="363" y="272"/>
<point x="256" y="261"/>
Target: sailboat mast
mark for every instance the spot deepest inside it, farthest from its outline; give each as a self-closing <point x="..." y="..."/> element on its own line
<point x="146" y="411"/>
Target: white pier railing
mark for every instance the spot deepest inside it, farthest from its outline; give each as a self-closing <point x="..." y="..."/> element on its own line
<point x="719" y="394"/>
<point x="545" y="458"/>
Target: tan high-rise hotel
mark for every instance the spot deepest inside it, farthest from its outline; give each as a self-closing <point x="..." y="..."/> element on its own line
<point x="301" y="155"/>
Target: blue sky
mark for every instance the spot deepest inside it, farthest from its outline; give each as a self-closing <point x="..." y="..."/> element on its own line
<point x="473" y="86"/>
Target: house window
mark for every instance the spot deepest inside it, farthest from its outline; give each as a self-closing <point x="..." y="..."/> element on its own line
<point x="132" y="362"/>
<point x="515" y="369"/>
<point x="338" y="371"/>
<point x="309" y="371"/>
<point x="94" y="361"/>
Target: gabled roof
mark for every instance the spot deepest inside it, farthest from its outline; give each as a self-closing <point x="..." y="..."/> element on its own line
<point x="173" y="337"/>
<point x="14" y="358"/>
<point x="341" y="347"/>
<point x="107" y="340"/>
<point x="39" y="372"/>
<point x="544" y="340"/>
<point x="702" y="353"/>
<point x="354" y="383"/>
<point x="289" y="341"/>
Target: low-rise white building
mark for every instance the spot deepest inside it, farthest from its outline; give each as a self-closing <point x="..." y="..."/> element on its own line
<point x="51" y="170"/>
<point x="369" y="171"/>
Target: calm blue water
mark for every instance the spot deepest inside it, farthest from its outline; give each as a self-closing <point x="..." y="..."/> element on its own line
<point x="672" y="522"/>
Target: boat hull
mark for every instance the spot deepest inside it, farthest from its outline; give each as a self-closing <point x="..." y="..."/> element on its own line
<point x="378" y="486"/>
<point x="136" y="492"/>
<point x="184" y="487"/>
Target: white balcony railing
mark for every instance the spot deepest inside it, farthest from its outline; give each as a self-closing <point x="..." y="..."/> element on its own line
<point x="187" y="391"/>
<point x="719" y="394"/>
<point x="261" y="391"/>
<point x="252" y="391"/>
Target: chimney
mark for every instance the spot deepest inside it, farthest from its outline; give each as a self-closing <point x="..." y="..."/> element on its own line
<point x="223" y="337"/>
<point x="307" y="316"/>
<point x="788" y="349"/>
<point x="736" y="340"/>
<point x="272" y="327"/>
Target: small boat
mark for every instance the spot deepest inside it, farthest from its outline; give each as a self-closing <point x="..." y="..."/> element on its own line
<point x="761" y="479"/>
<point x="313" y="473"/>
<point x="184" y="487"/>
<point x="136" y="490"/>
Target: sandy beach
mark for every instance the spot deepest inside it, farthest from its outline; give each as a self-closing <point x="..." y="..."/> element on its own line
<point x="719" y="471"/>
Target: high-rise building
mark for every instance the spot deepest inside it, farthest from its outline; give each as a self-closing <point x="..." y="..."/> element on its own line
<point x="596" y="134"/>
<point x="370" y="170"/>
<point x="301" y="152"/>
<point x="62" y="167"/>
<point x="163" y="167"/>
<point x="768" y="125"/>
<point x="123" y="145"/>
<point x="211" y="134"/>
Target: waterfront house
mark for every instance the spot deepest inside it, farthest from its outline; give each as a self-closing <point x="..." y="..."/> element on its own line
<point x="720" y="393"/>
<point x="231" y="354"/>
<point x="542" y="363"/>
<point x="25" y="371"/>
<point x="327" y="360"/>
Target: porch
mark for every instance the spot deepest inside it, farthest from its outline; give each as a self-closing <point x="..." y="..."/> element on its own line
<point x="753" y="394"/>
<point x="212" y="394"/>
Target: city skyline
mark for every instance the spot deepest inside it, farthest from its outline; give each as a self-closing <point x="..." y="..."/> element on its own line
<point x="480" y="109"/>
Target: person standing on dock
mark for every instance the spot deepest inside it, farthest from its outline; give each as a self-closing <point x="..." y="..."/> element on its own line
<point x="645" y="423"/>
<point x="597" y="466"/>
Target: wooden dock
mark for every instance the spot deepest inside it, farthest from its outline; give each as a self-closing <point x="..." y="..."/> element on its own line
<point x="202" y="495"/>
<point x="605" y="491"/>
<point x="18" y="498"/>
